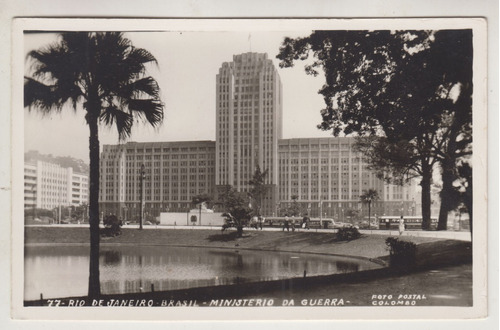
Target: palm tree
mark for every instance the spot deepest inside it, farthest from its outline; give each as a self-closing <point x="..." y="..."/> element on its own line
<point x="368" y="197"/>
<point x="106" y="75"/>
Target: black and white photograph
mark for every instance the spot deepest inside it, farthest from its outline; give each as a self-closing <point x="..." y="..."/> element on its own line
<point x="318" y="167"/>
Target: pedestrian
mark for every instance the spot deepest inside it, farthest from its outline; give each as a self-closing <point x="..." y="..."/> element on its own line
<point x="261" y="220"/>
<point x="285" y="224"/>
<point x="293" y="222"/>
<point x="401" y="226"/>
<point x="254" y="222"/>
<point x="305" y="221"/>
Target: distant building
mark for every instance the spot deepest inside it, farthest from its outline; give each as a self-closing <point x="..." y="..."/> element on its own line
<point x="48" y="185"/>
<point x="325" y="174"/>
<point x="175" y="172"/>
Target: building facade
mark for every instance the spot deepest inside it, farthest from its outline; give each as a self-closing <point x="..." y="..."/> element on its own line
<point x="175" y="172"/>
<point x="48" y="185"/>
<point x="248" y="123"/>
<point x="324" y="175"/>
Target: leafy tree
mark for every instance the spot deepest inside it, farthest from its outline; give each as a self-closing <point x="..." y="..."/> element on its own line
<point x="399" y="161"/>
<point x="401" y="85"/>
<point x="369" y="196"/>
<point x="201" y="198"/>
<point x="352" y="214"/>
<point x="294" y="209"/>
<point x="236" y="205"/>
<point x="223" y="194"/>
<point x="106" y="75"/>
<point x="258" y="190"/>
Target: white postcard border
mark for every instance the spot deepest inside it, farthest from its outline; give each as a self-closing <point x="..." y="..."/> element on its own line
<point x="480" y="258"/>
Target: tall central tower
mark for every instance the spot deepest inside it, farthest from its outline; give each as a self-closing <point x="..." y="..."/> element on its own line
<point x="249" y="111"/>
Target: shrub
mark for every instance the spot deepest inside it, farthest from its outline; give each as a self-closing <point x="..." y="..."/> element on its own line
<point x="348" y="234"/>
<point x="112" y="226"/>
<point x="402" y="253"/>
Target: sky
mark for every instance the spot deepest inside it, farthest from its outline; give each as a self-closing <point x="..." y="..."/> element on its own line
<point x="187" y="66"/>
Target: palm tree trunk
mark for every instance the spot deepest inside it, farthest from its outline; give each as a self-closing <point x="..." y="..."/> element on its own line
<point x="94" y="282"/>
<point x="369" y="212"/>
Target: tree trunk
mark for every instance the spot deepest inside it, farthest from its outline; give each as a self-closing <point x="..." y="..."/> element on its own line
<point x="94" y="282"/>
<point x="369" y="211"/>
<point x="448" y="200"/>
<point x="426" y="195"/>
<point x="449" y="196"/>
<point x="468" y="204"/>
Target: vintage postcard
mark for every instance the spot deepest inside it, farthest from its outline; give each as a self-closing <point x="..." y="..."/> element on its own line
<point x="249" y="169"/>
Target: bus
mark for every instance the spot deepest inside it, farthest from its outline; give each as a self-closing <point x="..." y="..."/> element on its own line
<point x="313" y="222"/>
<point x="391" y="222"/>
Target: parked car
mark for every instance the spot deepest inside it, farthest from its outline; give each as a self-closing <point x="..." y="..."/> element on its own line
<point x="363" y="225"/>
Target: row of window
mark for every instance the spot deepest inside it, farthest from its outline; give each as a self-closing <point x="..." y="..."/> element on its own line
<point x="168" y="150"/>
<point x="305" y="196"/>
<point x="164" y="157"/>
<point x="315" y="168"/>
<point x="312" y="158"/>
<point x="315" y="146"/>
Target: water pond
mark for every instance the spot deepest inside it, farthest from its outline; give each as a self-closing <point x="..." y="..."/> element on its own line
<point x="62" y="271"/>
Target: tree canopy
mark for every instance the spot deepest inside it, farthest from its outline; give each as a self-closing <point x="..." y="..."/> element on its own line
<point x="294" y="208"/>
<point x="236" y="205"/>
<point x="413" y="88"/>
<point x="201" y="198"/>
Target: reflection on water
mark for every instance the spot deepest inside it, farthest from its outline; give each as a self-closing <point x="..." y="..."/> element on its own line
<point x="62" y="271"/>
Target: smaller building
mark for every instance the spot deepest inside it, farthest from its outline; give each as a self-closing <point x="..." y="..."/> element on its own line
<point x="200" y="216"/>
<point x="48" y="185"/>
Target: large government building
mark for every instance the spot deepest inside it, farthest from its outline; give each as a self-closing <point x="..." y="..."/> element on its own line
<point x="324" y="175"/>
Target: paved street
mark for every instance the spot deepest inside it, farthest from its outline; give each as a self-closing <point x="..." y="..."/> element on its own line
<point x="432" y="288"/>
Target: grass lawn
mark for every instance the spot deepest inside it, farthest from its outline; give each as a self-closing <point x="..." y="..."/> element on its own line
<point x="368" y="246"/>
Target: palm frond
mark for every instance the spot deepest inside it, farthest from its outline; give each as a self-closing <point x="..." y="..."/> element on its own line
<point x="150" y="110"/>
<point x="60" y="62"/>
<point x="40" y="96"/>
<point x="102" y="69"/>
<point x="138" y="88"/>
<point x="141" y="56"/>
<point x="124" y="121"/>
